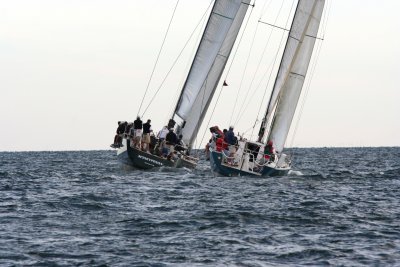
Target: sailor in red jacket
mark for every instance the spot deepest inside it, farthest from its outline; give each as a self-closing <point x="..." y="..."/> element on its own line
<point x="269" y="151"/>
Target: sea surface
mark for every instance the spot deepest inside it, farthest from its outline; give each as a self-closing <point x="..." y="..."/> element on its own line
<point x="339" y="206"/>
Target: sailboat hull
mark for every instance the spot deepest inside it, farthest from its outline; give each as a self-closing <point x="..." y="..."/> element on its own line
<point x="143" y="160"/>
<point x="218" y="168"/>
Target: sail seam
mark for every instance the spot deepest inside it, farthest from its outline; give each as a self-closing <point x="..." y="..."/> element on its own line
<point x="222" y="15"/>
<point x="294" y="38"/>
<point x="222" y="55"/>
<point x="315" y="37"/>
<point x="297" y="74"/>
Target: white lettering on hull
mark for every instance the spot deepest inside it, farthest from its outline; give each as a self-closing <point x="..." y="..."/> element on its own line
<point x="150" y="160"/>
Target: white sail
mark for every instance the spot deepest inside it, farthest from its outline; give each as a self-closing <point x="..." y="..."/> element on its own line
<point x="219" y="24"/>
<point x="293" y="69"/>
<point x="202" y="101"/>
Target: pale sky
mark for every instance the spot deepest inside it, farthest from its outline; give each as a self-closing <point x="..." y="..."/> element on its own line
<point x="69" y="70"/>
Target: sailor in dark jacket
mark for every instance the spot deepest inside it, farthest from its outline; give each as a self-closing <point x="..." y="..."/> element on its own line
<point x="231" y="139"/>
<point x="137" y="132"/>
<point x="171" y="137"/>
<point x="138" y="124"/>
<point x="171" y="140"/>
<point x="119" y="135"/>
<point x="146" y="135"/>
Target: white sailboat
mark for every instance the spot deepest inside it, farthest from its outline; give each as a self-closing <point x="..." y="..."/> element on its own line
<point x="216" y="44"/>
<point x="256" y="157"/>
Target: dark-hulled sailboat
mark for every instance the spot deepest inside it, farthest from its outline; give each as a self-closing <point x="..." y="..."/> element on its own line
<point x="216" y="44"/>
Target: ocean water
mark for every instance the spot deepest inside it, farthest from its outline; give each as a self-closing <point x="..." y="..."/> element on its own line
<point x="339" y="206"/>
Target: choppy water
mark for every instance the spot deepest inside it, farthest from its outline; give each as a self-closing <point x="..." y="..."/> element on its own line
<point x="338" y="207"/>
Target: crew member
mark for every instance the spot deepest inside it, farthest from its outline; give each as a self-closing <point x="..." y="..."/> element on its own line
<point x="146" y="136"/>
<point x="171" y="140"/>
<point x="231" y="140"/>
<point x="269" y="151"/>
<point x="180" y="145"/>
<point x="137" y="133"/>
<point x="119" y="134"/>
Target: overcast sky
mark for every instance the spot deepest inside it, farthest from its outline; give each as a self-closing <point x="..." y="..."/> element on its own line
<point x="69" y="70"/>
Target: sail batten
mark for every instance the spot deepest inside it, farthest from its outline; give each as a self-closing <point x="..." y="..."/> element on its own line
<point x="222" y="15"/>
<point x="298" y="74"/>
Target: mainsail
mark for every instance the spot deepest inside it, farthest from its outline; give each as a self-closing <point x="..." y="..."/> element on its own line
<point x="292" y="70"/>
<point x="215" y="46"/>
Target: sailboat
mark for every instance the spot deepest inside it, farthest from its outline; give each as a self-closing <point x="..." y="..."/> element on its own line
<point x="265" y="157"/>
<point x="213" y="51"/>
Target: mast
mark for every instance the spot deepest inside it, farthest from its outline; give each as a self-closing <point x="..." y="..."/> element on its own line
<point x="292" y="71"/>
<point x="208" y="64"/>
<point x="271" y="103"/>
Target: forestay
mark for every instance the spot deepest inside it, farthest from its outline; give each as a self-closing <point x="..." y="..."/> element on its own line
<point x="215" y="46"/>
<point x="293" y="69"/>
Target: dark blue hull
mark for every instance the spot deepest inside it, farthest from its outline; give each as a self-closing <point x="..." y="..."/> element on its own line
<point x="143" y="160"/>
<point x="219" y="168"/>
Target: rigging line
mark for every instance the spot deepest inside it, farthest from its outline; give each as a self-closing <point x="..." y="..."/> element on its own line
<point x="245" y="68"/>
<point x="256" y="122"/>
<point x="244" y="72"/>
<point x="258" y="65"/>
<point x="158" y="57"/>
<point x="269" y="78"/>
<point x="201" y="110"/>
<point x="229" y="69"/>
<point x="273" y="63"/>
<point x="272" y="107"/>
<point x="248" y="129"/>
<point x="279" y="96"/>
<point x="319" y="48"/>
<point x="270" y="66"/>
<point x="272" y="25"/>
<point x="288" y="20"/>
<point x="212" y="113"/>
<point x="176" y="60"/>
<point x="265" y="7"/>
<point x="189" y="61"/>
<point x="275" y="26"/>
<point x="326" y="19"/>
